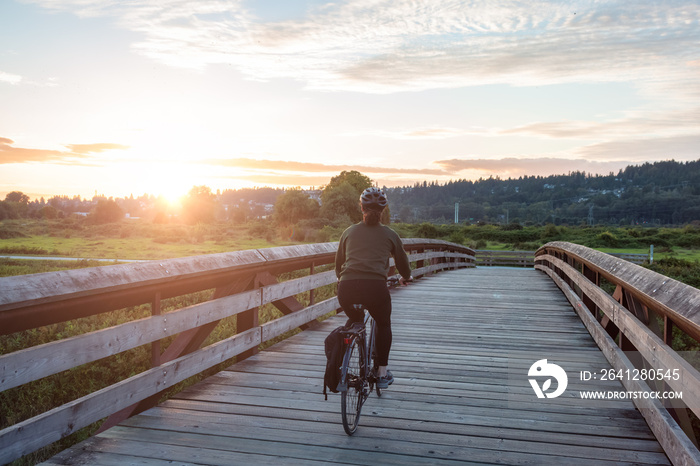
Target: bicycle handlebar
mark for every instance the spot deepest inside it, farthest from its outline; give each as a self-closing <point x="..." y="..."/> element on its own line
<point x="396" y="279"/>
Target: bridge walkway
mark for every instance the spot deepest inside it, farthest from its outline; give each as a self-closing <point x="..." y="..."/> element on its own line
<point x="463" y="344"/>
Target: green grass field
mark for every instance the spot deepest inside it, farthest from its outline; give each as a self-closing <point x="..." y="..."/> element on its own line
<point x="133" y="240"/>
<point x="126" y="248"/>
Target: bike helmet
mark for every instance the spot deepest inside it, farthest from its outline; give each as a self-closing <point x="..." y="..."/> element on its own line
<point x="373" y="197"/>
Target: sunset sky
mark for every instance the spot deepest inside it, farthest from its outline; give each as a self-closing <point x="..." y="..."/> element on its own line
<point x="145" y="96"/>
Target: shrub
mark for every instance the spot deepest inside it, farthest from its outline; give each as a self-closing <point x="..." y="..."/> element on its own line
<point x="512" y="226"/>
<point x="550" y="231"/>
<point x="48" y="212"/>
<point x="682" y="270"/>
<point x="199" y="232"/>
<point x="7" y="233"/>
<point x="427" y="230"/>
<point x="261" y="230"/>
<point x="36" y="251"/>
<point x="608" y="239"/>
<point x="688" y="240"/>
<point x="107" y="211"/>
<point x="456" y="237"/>
<point x="323" y="235"/>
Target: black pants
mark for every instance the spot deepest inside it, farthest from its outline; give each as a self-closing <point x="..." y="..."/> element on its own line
<point x="375" y="297"/>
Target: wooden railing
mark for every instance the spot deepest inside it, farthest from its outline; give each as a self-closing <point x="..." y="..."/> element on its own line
<point x="637" y="321"/>
<point x="638" y="259"/>
<point x="488" y="258"/>
<point x="242" y="282"/>
<point x="492" y="257"/>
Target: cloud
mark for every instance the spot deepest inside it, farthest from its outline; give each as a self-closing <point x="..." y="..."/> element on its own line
<point x="654" y="123"/>
<point x="515" y="167"/>
<point x="296" y="179"/>
<point x="396" y="45"/>
<point x="269" y="179"/>
<point x="685" y="148"/>
<point x="94" y="148"/>
<point x="78" y="153"/>
<point x="385" y="46"/>
<point x="430" y="132"/>
<point x="10" y="154"/>
<point x="10" y="78"/>
<point x="302" y="174"/>
<point x="309" y="167"/>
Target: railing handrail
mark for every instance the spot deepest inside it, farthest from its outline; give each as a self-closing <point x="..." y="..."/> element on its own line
<point x="506" y="257"/>
<point x="640" y="293"/>
<point x="665" y="295"/>
<point x="231" y="274"/>
<point x="502" y="257"/>
<point x="53" y="297"/>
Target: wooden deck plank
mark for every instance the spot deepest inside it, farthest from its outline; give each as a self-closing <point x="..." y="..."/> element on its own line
<point x="459" y="337"/>
<point x="376" y="439"/>
<point x="424" y="409"/>
<point x="331" y="417"/>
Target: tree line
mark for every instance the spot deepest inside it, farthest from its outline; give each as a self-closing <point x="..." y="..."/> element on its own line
<point x="661" y="193"/>
<point x="199" y="205"/>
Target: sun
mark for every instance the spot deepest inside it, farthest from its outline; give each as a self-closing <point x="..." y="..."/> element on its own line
<point x="173" y="193"/>
<point x="171" y="181"/>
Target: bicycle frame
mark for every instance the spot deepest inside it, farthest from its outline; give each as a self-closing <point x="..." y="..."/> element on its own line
<point x="357" y="381"/>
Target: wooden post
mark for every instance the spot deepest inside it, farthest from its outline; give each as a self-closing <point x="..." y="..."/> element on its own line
<point x="591" y="275"/>
<point x="249" y="319"/>
<point x="668" y="331"/>
<point x="420" y="263"/>
<point x="155" y="346"/>
<point x="312" y="294"/>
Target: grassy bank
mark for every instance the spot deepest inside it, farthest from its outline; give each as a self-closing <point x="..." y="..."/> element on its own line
<point x="131" y="239"/>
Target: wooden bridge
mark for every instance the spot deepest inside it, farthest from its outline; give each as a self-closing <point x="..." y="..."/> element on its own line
<point x="466" y="341"/>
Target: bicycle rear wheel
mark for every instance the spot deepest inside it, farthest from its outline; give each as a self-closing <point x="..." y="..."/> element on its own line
<point x="352" y="377"/>
<point x="373" y="355"/>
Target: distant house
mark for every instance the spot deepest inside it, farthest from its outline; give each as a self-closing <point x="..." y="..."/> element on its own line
<point x="314" y="194"/>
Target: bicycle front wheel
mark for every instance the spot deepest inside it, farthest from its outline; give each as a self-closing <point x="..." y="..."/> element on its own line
<point x="352" y="377"/>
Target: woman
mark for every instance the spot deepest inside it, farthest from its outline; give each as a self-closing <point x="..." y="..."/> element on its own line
<point x="362" y="266"/>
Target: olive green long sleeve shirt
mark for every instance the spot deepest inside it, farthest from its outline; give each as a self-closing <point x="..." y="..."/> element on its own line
<point x="364" y="252"/>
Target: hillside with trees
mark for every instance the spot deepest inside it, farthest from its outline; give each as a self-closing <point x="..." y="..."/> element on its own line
<point x="661" y="193"/>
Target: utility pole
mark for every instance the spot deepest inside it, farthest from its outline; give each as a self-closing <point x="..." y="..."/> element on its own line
<point x="590" y="215"/>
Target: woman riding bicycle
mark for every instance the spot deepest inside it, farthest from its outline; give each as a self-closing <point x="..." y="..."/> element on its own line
<point x="362" y="266"/>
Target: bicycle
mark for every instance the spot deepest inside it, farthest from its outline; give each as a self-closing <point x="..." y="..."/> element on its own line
<point x="358" y="375"/>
